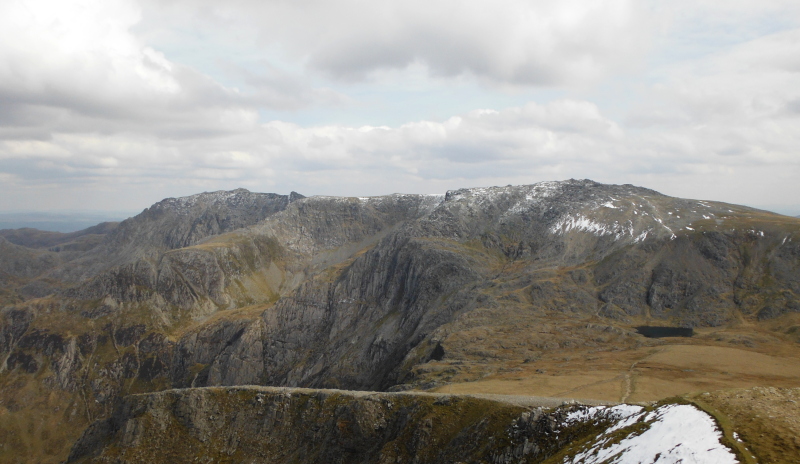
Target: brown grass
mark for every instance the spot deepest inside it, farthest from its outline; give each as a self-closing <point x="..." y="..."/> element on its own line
<point x="649" y="373"/>
<point x="37" y="425"/>
<point x="766" y="419"/>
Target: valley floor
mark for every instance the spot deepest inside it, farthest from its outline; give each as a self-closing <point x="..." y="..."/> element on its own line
<point x="643" y="374"/>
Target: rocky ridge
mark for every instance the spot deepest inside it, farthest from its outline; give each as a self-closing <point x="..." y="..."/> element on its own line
<point x="283" y="425"/>
<point x="234" y="288"/>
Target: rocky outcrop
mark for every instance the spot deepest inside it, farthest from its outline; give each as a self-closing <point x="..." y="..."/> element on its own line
<point x="281" y="425"/>
<point x="325" y="426"/>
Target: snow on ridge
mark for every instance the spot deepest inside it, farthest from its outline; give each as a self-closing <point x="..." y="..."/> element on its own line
<point x="182" y="205"/>
<point x="535" y="195"/>
<point x="620" y="412"/>
<point x="426" y="196"/>
<point x="580" y="222"/>
<point x="676" y="433"/>
<point x="641" y="237"/>
<point x="426" y="202"/>
<point x="544" y="189"/>
<point x="661" y="222"/>
<point x="533" y="192"/>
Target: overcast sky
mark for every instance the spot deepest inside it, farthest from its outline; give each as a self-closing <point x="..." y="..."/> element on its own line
<point x="116" y="104"/>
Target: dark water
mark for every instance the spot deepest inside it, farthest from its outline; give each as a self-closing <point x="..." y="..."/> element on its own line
<point x="652" y="331"/>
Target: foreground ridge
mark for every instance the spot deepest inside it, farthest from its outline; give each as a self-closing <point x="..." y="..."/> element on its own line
<point x="239" y="424"/>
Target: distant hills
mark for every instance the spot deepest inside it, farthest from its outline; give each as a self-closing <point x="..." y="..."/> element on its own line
<point x="65" y="222"/>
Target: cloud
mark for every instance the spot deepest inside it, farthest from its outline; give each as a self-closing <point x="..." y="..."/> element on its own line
<point x="77" y="67"/>
<point x="482" y="143"/>
<point x="734" y="107"/>
<point x="505" y="42"/>
<point x="95" y="98"/>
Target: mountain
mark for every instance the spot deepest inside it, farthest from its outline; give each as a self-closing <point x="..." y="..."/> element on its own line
<point x="539" y="289"/>
<point x="169" y="224"/>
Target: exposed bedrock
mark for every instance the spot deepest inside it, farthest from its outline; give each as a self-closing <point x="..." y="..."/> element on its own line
<point x="251" y="424"/>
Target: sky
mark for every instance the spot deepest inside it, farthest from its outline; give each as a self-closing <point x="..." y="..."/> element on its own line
<point x="112" y="105"/>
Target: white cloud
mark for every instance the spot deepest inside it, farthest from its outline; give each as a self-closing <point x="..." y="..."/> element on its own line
<point x="76" y="66"/>
<point x="481" y="144"/>
<point x="502" y="42"/>
<point x="733" y="108"/>
<point x="77" y="49"/>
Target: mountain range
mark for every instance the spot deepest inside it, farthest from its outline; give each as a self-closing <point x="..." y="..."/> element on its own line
<point x="539" y="289"/>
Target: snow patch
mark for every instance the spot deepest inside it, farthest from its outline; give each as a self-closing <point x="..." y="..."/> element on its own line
<point x="676" y="433"/>
<point x="232" y="198"/>
<point x="582" y="223"/>
<point x="620" y="413"/>
<point x="478" y="196"/>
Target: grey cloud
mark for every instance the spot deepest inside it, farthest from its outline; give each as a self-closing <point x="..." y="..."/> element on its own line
<point x="506" y="42"/>
<point x="792" y="107"/>
<point x="279" y="90"/>
<point x="92" y="75"/>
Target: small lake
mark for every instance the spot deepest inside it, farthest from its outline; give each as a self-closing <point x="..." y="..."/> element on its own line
<point x="652" y="331"/>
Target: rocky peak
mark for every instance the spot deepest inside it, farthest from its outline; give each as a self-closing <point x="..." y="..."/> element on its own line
<point x="175" y="223"/>
<point x="234" y="199"/>
<point x="179" y="222"/>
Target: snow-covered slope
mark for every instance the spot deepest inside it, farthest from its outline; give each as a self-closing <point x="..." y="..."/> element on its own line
<point x="673" y="433"/>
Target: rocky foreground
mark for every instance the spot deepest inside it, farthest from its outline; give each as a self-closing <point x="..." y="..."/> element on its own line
<point x="290" y="425"/>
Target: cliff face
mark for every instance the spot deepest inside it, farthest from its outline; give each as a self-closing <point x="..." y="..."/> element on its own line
<point x="233" y="288"/>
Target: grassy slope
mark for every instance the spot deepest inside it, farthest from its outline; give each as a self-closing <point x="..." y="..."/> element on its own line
<point x="765" y="419"/>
